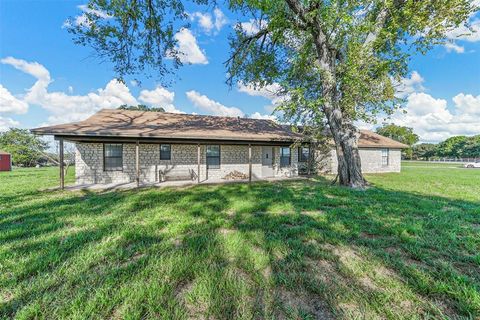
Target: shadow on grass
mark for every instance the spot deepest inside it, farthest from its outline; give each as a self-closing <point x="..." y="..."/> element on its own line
<point x="287" y="249"/>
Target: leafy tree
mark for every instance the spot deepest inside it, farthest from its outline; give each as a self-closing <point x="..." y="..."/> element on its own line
<point x="337" y="61"/>
<point x="402" y="134"/>
<point x="452" y="147"/>
<point x="472" y="147"/>
<point x="26" y="149"/>
<point x="424" y="151"/>
<point x="141" y="107"/>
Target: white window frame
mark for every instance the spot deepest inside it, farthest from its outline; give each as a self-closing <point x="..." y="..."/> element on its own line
<point x="385" y="157"/>
<point x="169" y="152"/>
<point x="105" y="157"/>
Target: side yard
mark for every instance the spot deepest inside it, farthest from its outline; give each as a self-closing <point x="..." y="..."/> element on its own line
<point x="407" y="248"/>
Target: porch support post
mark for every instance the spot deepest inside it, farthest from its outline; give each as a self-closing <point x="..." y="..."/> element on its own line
<point x="61" y="160"/>
<point x="137" y="162"/>
<point x="249" y="163"/>
<point x="198" y="163"/>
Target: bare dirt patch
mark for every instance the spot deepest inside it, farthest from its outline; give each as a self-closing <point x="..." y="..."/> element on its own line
<point x="194" y="310"/>
<point x="323" y="271"/>
<point x="267" y="272"/>
<point x="313" y="213"/>
<point x="137" y="256"/>
<point x="6" y="296"/>
<point x="225" y="231"/>
<point x="296" y="302"/>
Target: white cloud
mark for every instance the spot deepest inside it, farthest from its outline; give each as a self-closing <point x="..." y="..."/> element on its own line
<point x="204" y="20"/>
<point x="431" y="118"/>
<point x="462" y="32"/>
<point x="433" y="121"/>
<point x="64" y="107"/>
<point x="452" y="46"/>
<point x="159" y="97"/>
<point x="10" y="104"/>
<point x="211" y="106"/>
<point x="220" y="19"/>
<point x="189" y="51"/>
<point x="468" y="104"/>
<point x="468" y="31"/>
<point x="252" y="26"/>
<point x="409" y="85"/>
<point x="208" y="23"/>
<point x="67" y="108"/>
<point x="270" y="92"/>
<point x="70" y="89"/>
<point x="258" y="115"/>
<point x="6" y="123"/>
<point x="33" y="68"/>
<point x="82" y="19"/>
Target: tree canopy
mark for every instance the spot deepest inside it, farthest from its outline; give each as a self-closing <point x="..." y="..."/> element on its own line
<point x="141" y="107"/>
<point x="336" y="61"/>
<point x="26" y="149"/>
<point x="453" y="147"/>
<point x="424" y="151"/>
<point x="402" y="134"/>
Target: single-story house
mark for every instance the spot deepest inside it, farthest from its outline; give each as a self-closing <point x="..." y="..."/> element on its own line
<point x="5" y="161"/>
<point x="122" y="146"/>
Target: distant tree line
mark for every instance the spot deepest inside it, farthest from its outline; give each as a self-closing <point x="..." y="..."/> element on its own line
<point x="29" y="150"/>
<point x="453" y="147"/>
<point x="141" y="107"/>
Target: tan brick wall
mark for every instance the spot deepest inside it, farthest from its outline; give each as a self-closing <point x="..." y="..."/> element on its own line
<point x="371" y="159"/>
<point x="288" y="171"/>
<point x="89" y="162"/>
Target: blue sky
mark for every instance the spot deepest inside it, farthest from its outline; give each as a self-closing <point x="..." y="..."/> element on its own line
<point x="46" y="79"/>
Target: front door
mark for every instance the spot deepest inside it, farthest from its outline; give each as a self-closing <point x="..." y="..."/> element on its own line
<point x="267" y="161"/>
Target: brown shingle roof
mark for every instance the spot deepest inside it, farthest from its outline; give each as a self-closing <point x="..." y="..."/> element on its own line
<point x="142" y="124"/>
<point x="369" y="139"/>
<point x="123" y="123"/>
<point x="3" y="152"/>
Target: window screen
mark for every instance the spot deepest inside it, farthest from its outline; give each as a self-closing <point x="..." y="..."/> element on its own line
<point x="165" y="152"/>
<point x="385" y="157"/>
<point x="213" y="157"/>
<point x="303" y="154"/>
<point x="113" y="157"/>
<point x="284" y="156"/>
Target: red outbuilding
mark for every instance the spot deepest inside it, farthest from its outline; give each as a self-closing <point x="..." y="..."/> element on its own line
<point x="5" y="161"/>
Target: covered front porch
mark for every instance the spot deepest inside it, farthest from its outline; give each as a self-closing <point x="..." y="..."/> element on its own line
<point x="125" y="163"/>
<point x="168" y="184"/>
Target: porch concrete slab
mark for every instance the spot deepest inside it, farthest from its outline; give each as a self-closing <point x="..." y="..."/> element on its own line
<point x="133" y="185"/>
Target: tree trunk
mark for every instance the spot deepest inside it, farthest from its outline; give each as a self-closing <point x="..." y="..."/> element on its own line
<point x="345" y="136"/>
<point x="343" y="131"/>
<point x="349" y="165"/>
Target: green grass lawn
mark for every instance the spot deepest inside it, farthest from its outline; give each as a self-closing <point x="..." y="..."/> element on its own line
<point x="408" y="247"/>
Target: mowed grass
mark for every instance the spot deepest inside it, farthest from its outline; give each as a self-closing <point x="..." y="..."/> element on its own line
<point x="407" y="248"/>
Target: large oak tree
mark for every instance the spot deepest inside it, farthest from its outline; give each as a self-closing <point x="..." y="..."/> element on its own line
<point x="336" y="61"/>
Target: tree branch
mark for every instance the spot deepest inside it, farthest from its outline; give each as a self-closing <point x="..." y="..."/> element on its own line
<point x="380" y="21"/>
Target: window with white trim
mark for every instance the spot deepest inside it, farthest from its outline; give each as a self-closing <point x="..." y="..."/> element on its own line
<point x="284" y="156"/>
<point x="213" y="157"/>
<point x="385" y="157"/>
<point x="113" y="157"/>
<point x="165" y="152"/>
<point x="303" y="154"/>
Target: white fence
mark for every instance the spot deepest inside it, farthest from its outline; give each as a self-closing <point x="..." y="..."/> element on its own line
<point x="457" y="160"/>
